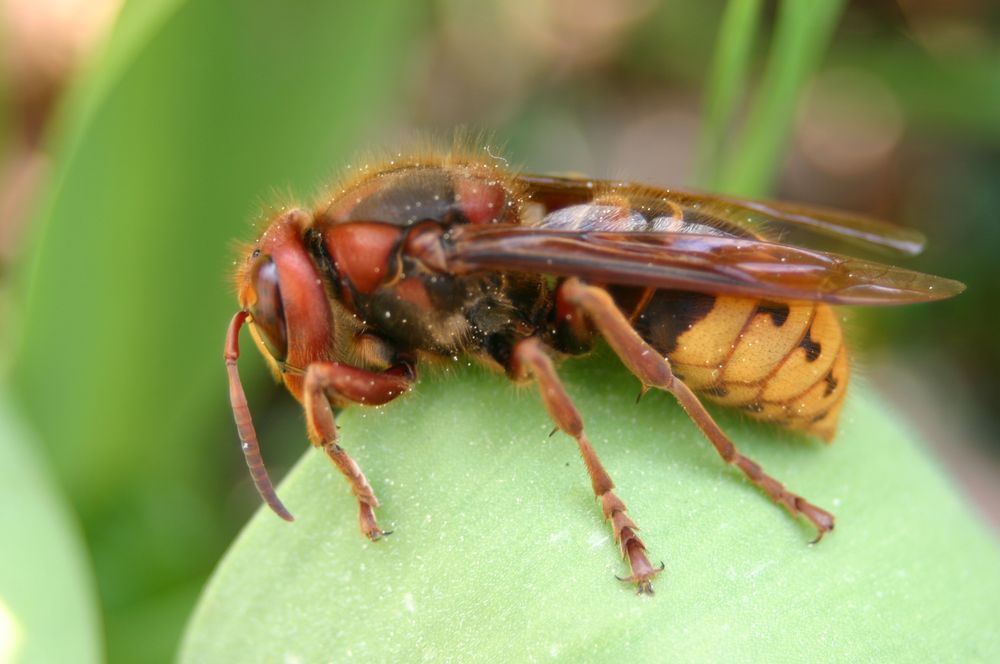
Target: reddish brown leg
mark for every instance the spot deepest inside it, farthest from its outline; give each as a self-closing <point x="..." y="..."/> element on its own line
<point x="343" y="383"/>
<point x="529" y="357"/>
<point x="654" y="371"/>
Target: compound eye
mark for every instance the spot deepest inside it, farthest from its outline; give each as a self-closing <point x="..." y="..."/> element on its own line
<point x="267" y="311"/>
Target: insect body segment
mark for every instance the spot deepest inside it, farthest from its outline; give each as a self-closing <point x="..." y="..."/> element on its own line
<point x="782" y="362"/>
<point x="431" y="257"/>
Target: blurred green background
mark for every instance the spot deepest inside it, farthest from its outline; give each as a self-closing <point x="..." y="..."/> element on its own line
<point x="137" y="141"/>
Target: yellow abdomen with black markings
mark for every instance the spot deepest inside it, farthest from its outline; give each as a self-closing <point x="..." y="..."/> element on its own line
<point x="781" y="362"/>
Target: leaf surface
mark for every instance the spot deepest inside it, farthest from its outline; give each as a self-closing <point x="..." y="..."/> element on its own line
<point x="499" y="552"/>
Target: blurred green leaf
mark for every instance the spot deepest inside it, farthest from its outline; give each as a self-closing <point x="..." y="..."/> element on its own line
<point x="801" y="35"/>
<point x="182" y="130"/>
<point x="48" y="612"/>
<point x="500" y="554"/>
<point x="135" y="25"/>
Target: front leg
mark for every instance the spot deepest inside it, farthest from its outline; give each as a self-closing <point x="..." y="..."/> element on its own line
<point x="326" y="381"/>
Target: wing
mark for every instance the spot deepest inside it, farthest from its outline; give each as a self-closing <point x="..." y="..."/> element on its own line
<point x="703" y="263"/>
<point x="735" y="216"/>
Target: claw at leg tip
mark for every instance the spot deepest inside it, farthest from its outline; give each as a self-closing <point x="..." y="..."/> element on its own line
<point x="644" y="582"/>
<point x="820" y="534"/>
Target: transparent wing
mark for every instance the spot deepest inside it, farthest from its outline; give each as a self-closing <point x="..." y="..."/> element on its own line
<point x="735" y="216"/>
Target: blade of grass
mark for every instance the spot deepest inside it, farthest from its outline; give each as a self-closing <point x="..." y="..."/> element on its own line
<point x="802" y="32"/>
<point x="727" y="81"/>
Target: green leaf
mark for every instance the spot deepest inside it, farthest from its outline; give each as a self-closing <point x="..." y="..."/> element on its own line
<point x="178" y="138"/>
<point x="48" y="612"/>
<point x="500" y="554"/>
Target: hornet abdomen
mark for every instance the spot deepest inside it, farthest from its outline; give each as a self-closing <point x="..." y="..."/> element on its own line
<point x="780" y="362"/>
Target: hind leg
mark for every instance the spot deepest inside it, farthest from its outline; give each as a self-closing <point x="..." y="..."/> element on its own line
<point x="654" y="371"/>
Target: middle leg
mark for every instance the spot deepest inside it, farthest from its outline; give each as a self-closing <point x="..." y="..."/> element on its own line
<point x="529" y="357"/>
